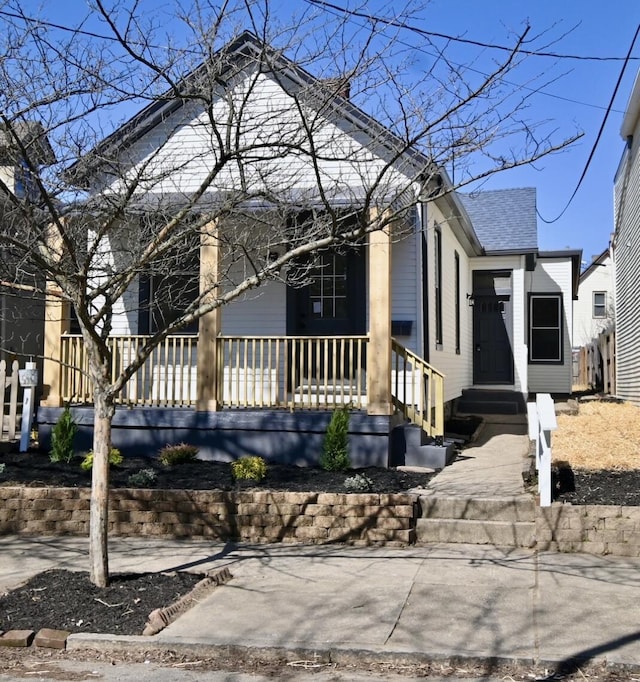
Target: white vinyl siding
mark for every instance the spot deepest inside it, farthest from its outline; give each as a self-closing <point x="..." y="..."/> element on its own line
<point x="443" y="356"/>
<point x="183" y="145"/>
<point x="553" y="276"/>
<point x="585" y="326"/>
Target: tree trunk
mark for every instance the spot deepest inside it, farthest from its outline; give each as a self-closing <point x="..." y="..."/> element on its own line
<point x="98" y="524"/>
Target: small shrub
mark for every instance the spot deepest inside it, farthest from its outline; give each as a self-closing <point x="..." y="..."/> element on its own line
<point x="358" y="483"/>
<point x="62" y="436"/>
<point x="335" y="448"/>
<point x="249" y="469"/>
<point x="170" y="455"/>
<point x="145" y="478"/>
<point x="115" y="458"/>
<point x="2" y="468"/>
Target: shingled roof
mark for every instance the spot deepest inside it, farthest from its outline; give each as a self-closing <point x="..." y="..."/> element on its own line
<point x="504" y="219"/>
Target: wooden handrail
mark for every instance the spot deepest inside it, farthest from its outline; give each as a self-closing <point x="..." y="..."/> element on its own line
<point x="417" y="390"/>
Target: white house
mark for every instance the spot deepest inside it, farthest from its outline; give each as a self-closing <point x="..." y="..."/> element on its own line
<point x="593" y="311"/>
<point x="454" y="295"/>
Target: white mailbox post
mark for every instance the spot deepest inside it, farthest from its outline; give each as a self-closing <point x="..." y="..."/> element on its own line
<point x="28" y="378"/>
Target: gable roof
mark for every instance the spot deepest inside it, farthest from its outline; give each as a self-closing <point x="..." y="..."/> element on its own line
<point x="598" y="261"/>
<point x="504" y="220"/>
<point x="236" y="55"/>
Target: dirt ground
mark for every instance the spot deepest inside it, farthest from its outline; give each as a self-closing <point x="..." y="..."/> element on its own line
<point x="603" y="435"/>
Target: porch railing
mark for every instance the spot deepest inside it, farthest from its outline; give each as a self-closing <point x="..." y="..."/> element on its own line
<point x="417" y="390"/>
<point x="252" y="371"/>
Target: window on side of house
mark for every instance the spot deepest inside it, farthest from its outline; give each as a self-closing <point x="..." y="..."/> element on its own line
<point x="456" y="266"/>
<point x="599" y="303"/>
<point x="437" y="243"/>
<point x="545" y="328"/>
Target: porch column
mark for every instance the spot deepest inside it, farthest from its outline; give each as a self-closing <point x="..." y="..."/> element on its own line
<point x="56" y="323"/>
<point x="379" y="349"/>
<point x="208" y="396"/>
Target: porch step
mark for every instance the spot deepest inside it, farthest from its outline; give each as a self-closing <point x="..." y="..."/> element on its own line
<point x="410" y="446"/>
<point x="485" y="401"/>
<point x="503" y="522"/>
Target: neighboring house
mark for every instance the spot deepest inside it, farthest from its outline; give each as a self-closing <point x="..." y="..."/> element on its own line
<point x="593" y="312"/>
<point x="461" y="286"/>
<point x="625" y="252"/>
<point x="21" y="314"/>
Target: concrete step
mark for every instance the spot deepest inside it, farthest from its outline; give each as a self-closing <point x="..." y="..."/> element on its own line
<point x="476" y="532"/>
<point x="485" y="401"/>
<point x="509" y="509"/>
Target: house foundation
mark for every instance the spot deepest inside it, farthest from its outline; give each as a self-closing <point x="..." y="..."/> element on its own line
<point x="279" y="436"/>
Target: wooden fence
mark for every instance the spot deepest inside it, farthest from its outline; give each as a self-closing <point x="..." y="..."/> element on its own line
<point x="9" y="416"/>
<point x="597" y="363"/>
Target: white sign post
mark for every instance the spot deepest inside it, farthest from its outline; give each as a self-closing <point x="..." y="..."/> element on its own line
<point x="28" y="380"/>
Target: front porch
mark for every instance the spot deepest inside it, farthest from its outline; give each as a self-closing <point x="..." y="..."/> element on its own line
<point x="266" y="395"/>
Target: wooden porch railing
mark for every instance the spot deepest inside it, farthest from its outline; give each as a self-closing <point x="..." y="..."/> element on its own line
<point x="417" y="390"/>
<point x="252" y="371"/>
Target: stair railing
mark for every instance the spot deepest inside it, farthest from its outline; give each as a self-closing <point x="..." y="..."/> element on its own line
<point x="417" y="390"/>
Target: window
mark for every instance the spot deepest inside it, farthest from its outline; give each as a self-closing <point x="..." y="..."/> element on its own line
<point x="328" y="288"/>
<point x="599" y="303"/>
<point x="545" y="328"/>
<point x="170" y="287"/>
<point x="456" y="265"/>
<point x="438" y="283"/>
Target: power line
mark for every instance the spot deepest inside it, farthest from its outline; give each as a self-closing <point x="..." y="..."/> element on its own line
<point x="458" y="39"/>
<point x="370" y="17"/>
<point x="597" y="140"/>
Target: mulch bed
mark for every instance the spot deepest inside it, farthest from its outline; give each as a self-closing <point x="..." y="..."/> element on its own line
<point x="35" y="469"/>
<point x="609" y="487"/>
<point x="67" y="600"/>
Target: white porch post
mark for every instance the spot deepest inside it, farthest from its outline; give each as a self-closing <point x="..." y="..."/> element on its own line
<point x="209" y="382"/>
<point x="379" y="350"/>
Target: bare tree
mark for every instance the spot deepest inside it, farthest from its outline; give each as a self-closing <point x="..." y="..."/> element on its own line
<point x="243" y="122"/>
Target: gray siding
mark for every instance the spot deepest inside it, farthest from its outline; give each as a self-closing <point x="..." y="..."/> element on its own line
<point x="626" y="255"/>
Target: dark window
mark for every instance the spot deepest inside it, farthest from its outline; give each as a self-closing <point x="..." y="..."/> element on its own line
<point x="545" y="328"/>
<point x="438" y="283"/>
<point x="599" y="303"/>
<point x="170" y="288"/>
<point x="456" y="265"/>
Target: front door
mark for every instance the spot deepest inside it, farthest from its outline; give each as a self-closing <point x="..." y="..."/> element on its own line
<point x="492" y="352"/>
<point x="332" y="304"/>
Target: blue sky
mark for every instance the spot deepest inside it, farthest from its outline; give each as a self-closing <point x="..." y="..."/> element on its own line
<point x="575" y="100"/>
<point x="601" y="29"/>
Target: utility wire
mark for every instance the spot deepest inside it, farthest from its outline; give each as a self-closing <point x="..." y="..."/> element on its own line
<point x="467" y="41"/>
<point x="597" y="140"/>
<point x="369" y="17"/>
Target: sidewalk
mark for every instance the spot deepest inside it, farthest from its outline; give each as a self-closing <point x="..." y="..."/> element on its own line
<point x="377" y="603"/>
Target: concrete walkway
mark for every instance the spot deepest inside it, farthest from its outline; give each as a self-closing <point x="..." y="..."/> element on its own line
<point x="492" y="466"/>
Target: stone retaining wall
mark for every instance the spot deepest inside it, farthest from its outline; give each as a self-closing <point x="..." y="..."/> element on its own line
<point x="260" y="516"/>
<point x="596" y="529"/>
